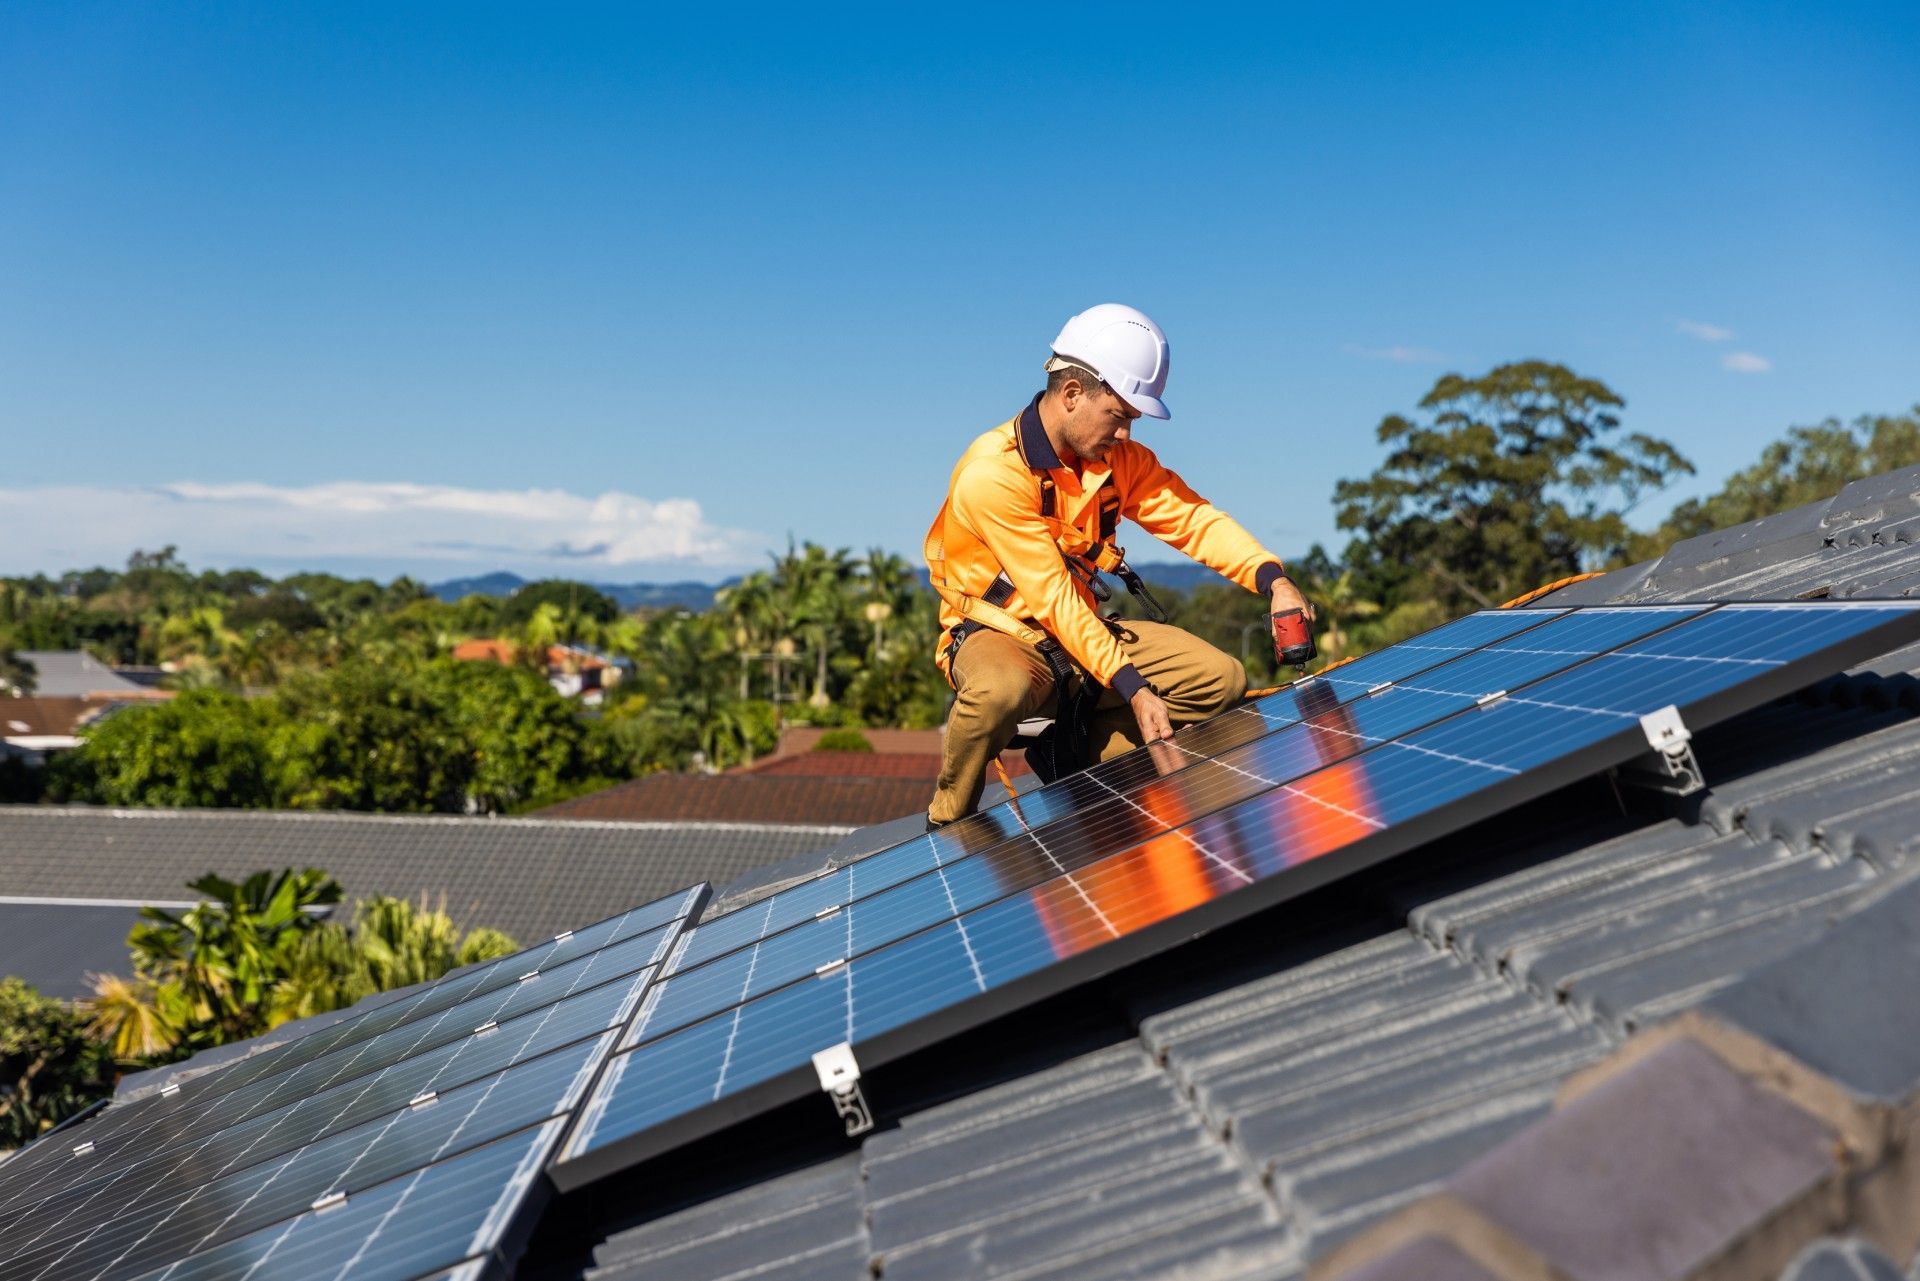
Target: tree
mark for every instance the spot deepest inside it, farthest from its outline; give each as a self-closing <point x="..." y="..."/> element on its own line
<point x="392" y="943"/>
<point x="813" y="586"/>
<point x="1809" y="464"/>
<point x="1504" y="482"/>
<point x="50" y="1067"/>
<point x="205" y="975"/>
<point x="204" y="748"/>
<point x="577" y="604"/>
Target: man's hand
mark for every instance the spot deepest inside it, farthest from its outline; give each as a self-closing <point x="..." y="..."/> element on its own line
<point x="1286" y="596"/>
<point x="1151" y="714"/>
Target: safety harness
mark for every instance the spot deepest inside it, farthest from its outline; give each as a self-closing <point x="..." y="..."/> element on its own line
<point x="1064" y="749"/>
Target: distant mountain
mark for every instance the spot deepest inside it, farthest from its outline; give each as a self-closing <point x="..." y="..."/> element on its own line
<point x="1181" y="575"/>
<point x="682" y="595"/>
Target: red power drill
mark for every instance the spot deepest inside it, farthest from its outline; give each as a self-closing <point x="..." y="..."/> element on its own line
<point x="1292" y="639"/>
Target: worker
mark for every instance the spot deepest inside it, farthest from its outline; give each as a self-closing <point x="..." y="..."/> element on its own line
<point x="1017" y="551"/>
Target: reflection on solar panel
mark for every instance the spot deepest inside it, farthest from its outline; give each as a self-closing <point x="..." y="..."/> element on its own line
<point x="401" y="1141"/>
<point x="896" y="951"/>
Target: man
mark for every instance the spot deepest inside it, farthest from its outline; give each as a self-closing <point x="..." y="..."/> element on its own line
<point x="1029" y="518"/>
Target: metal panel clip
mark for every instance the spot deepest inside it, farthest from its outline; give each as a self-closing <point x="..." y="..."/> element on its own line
<point x="1670" y="765"/>
<point x="839" y="1077"/>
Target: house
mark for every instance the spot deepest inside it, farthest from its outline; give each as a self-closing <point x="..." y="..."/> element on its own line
<point x="574" y="671"/>
<point x="75" y="674"/>
<point x="1586" y="1036"/>
<point x="32" y="727"/>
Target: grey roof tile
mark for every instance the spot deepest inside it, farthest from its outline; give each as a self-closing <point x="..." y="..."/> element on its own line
<point x="1843" y="1005"/>
<point x="1653" y="1172"/>
<point x="1841" y="1260"/>
<point x="1347" y="1189"/>
<point x="815" y="1210"/>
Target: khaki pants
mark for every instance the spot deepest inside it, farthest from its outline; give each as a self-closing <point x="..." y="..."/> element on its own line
<point x="999" y="682"/>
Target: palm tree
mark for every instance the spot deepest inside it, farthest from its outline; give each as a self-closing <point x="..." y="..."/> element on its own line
<point x="751" y="608"/>
<point x="813" y="586"/>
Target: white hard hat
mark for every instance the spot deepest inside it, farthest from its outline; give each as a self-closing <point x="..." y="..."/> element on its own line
<point x="1125" y="348"/>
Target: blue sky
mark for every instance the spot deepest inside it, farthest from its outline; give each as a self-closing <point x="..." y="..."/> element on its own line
<point x="443" y="289"/>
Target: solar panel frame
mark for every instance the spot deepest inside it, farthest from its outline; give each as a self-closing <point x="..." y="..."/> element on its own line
<point x="574" y="1167"/>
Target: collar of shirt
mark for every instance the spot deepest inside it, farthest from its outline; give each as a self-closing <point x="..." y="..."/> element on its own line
<point x="1038" y="453"/>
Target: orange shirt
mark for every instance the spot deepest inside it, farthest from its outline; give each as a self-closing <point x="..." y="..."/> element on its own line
<point x="992" y="523"/>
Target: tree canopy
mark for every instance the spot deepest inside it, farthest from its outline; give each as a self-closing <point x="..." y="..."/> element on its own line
<point x="1498" y="484"/>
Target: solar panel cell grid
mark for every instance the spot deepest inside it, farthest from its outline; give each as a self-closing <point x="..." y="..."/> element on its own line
<point x="245" y="1132"/>
<point x="201" y="1203"/>
<point x="426" y="1220"/>
<point x="323" y="1166"/>
<point x="1473" y="761"/>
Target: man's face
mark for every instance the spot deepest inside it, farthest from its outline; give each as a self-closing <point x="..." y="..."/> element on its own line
<point x="1095" y="420"/>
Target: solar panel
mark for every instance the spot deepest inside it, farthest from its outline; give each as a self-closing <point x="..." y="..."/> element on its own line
<point x="1436" y="750"/>
<point x="1328" y="720"/>
<point x="1068" y="796"/>
<point x="445" y="1103"/>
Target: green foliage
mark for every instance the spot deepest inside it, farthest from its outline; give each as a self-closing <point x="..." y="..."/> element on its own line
<point x="392" y="737"/>
<point x="206" y="975"/>
<point x="1504" y="482"/>
<point x="573" y="602"/>
<point x="50" y="1067"/>
<point x="203" y="748"/>
<point x="843" y="740"/>
<point x="1808" y="464"/>
<point x="392" y="943"/>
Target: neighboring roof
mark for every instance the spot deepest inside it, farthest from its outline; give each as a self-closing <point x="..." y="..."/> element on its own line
<point x="530" y="877"/>
<point x="911" y="742"/>
<point x="507" y="653"/>
<point x="1256" y="1102"/>
<point x="55" y="943"/>
<point x="818" y="764"/>
<point x="71" y="673"/>
<point x="749" y="798"/>
<point x="58" y="717"/>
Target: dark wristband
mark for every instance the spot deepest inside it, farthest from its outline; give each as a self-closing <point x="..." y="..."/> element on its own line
<point x="1269" y="574"/>
<point x="1128" y="681"/>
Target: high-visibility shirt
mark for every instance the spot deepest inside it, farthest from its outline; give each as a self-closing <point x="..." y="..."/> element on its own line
<point x="993" y="523"/>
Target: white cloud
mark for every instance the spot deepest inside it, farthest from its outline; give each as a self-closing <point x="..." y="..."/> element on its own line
<point x="1745" y="362"/>
<point x="1399" y="355"/>
<point x="60" y="527"/>
<point x="1703" y="331"/>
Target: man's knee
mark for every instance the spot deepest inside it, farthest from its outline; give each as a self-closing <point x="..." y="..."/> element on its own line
<point x="1214" y="682"/>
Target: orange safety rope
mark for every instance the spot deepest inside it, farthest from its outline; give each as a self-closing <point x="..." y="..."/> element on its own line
<point x="1538" y="592"/>
<point x="1006" y="780"/>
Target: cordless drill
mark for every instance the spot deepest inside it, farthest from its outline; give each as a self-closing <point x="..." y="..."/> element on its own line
<point x="1292" y="639"/>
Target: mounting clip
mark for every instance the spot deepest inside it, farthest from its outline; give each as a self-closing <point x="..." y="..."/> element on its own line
<point x="1670" y="766"/>
<point x="840" y="1080"/>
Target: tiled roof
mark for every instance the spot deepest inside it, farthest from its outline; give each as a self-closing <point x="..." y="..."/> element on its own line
<point x="750" y="798"/>
<point x="55" y="717"/>
<point x="74" y="674"/>
<point x="1255" y="1106"/>
<point x="529" y="877"/>
<point x="818" y="764"/>
<point x="886" y="742"/>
